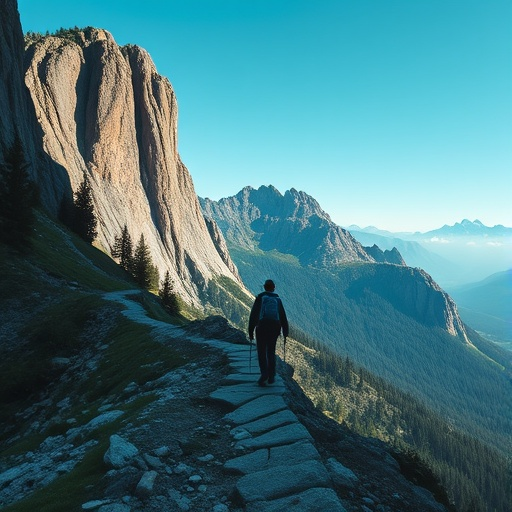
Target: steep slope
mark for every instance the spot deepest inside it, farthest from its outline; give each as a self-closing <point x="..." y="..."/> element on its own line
<point x="104" y="111"/>
<point x="392" y="319"/>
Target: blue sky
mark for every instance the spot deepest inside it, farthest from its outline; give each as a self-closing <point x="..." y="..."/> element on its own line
<point x="393" y="113"/>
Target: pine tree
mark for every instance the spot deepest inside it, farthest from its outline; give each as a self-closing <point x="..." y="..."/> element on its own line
<point x="123" y="249"/>
<point x="18" y="196"/>
<point x="169" y="297"/>
<point x="84" y="218"/>
<point x="360" y="383"/>
<point x="144" y="272"/>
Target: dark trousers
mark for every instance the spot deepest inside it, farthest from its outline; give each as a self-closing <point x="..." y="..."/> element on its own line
<point x="266" y="339"/>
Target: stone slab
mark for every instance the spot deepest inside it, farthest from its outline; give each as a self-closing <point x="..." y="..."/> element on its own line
<point x="239" y="378"/>
<point x="276" y="456"/>
<point x="312" y="500"/>
<point x="273" y="421"/>
<point x="257" y="408"/>
<point x="245" y="387"/>
<point x="229" y="348"/>
<point x="250" y="463"/>
<point x="240" y="394"/>
<point x="282" y="481"/>
<point x="242" y="364"/>
<point x="287" y="434"/>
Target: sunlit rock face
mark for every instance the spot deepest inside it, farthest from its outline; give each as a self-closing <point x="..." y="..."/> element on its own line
<point x="106" y="112"/>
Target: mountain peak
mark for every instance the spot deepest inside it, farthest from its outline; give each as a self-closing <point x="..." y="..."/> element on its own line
<point x="293" y="223"/>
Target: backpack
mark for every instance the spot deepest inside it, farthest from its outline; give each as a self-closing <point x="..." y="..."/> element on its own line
<point x="269" y="308"/>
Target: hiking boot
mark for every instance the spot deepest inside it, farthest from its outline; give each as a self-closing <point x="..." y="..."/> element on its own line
<point x="262" y="381"/>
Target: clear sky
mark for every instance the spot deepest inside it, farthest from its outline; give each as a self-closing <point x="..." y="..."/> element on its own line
<point x="392" y="113"/>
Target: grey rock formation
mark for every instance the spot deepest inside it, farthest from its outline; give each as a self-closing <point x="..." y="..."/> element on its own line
<point x="104" y="110"/>
<point x="120" y="452"/>
<point x="293" y="223"/>
<point x="18" y="116"/>
<point x="386" y="256"/>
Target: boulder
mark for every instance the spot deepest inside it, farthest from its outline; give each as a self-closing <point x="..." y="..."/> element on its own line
<point x="120" y="452"/>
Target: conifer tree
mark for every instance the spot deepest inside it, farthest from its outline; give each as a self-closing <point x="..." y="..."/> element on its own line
<point x="169" y="297"/>
<point x="123" y="249"/>
<point x="17" y="197"/>
<point x="144" y="272"/>
<point x="84" y="218"/>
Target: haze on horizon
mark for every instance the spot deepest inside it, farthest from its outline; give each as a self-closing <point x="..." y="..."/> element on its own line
<point x="392" y="115"/>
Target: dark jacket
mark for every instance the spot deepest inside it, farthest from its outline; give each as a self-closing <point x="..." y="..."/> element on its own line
<point x="255" y="314"/>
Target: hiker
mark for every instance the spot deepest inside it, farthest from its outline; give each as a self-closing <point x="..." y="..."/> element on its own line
<point x="267" y="318"/>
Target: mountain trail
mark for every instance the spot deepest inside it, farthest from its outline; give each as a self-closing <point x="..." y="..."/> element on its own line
<point x="273" y="451"/>
<point x="204" y="437"/>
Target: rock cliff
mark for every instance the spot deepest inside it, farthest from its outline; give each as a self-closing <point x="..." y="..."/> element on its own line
<point x="17" y="115"/>
<point x="105" y="111"/>
<point x="293" y="223"/>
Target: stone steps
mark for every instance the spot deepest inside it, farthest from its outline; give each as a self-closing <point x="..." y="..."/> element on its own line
<point x="281" y="468"/>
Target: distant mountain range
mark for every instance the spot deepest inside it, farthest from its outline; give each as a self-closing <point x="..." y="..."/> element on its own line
<point x="454" y="255"/>
<point x="487" y="306"/>
<point x="468" y="228"/>
<point x="463" y="228"/>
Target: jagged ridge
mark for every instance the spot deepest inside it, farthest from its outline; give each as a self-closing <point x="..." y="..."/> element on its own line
<point x="293" y="223"/>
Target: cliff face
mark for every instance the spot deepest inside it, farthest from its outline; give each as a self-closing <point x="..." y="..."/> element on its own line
<point x="293" y="223"/>
<point x="17" y="115"/>
<point x="106" y="112"/>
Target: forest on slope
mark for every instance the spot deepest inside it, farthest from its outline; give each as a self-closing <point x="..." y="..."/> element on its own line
<point x="456" y="380"/>
<point x="474" y="475"/>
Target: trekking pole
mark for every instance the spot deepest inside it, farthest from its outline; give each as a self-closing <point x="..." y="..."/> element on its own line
<point x="250" y="356"/>
<point x="284" y="348"/>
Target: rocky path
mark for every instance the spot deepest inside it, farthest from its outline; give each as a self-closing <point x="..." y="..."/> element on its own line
<point x="209" y="439"/>
<point x="280" y="466"/>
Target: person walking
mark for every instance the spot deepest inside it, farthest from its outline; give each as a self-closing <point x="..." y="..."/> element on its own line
<point x="267" y="318"/>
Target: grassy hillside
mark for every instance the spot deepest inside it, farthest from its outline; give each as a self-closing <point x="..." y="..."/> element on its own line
<point x="52" y="311"/>
<point x="348" y="312"/>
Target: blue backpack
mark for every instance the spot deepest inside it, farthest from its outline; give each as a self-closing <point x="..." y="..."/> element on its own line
<point x="269" y="308"/>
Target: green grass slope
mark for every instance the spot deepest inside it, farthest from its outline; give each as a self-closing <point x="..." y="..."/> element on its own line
<point x="51" y="311"/>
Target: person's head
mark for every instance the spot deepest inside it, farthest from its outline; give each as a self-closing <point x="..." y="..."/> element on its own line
<point x="269" y="285"/>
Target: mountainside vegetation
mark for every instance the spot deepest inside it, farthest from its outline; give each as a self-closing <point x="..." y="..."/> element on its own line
<point x="56" y="291"/>
<point x="474" y="475"/>
<point x="355" y="315"/>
